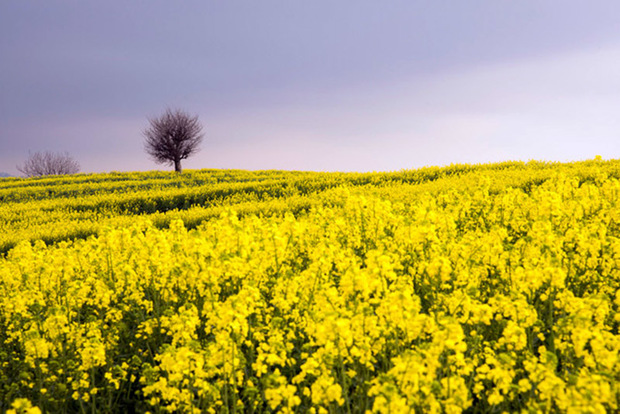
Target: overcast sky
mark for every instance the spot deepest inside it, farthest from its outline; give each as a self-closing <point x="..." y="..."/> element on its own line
<point x="326" y="85"/>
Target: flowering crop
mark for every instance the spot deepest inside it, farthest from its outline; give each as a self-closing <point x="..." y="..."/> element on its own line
<point x="470" y="288"/>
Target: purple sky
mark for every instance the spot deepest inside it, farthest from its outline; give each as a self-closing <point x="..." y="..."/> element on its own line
<point x="351" y="85"/>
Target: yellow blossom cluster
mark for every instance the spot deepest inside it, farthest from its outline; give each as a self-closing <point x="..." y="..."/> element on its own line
<point x="492" y="288"/>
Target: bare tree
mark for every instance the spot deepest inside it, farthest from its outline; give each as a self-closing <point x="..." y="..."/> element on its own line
<point x="173" y="137"/>
<point x="49" y="163"/>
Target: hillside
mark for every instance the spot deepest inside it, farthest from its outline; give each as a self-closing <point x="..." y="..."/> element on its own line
<point x="30" y="209"/>
<point x="478" y="288"/>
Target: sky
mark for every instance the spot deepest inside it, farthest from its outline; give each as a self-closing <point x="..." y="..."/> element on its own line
<point x="322" y="85"/>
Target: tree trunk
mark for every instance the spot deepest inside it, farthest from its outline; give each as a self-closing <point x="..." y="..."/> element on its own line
<point x="177" y="166"/>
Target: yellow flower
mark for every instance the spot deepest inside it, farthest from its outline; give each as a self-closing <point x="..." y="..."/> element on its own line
<point x="23" y="406"/>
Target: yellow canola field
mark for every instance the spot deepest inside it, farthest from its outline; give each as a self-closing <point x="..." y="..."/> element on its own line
<point x="491" y="290"/>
